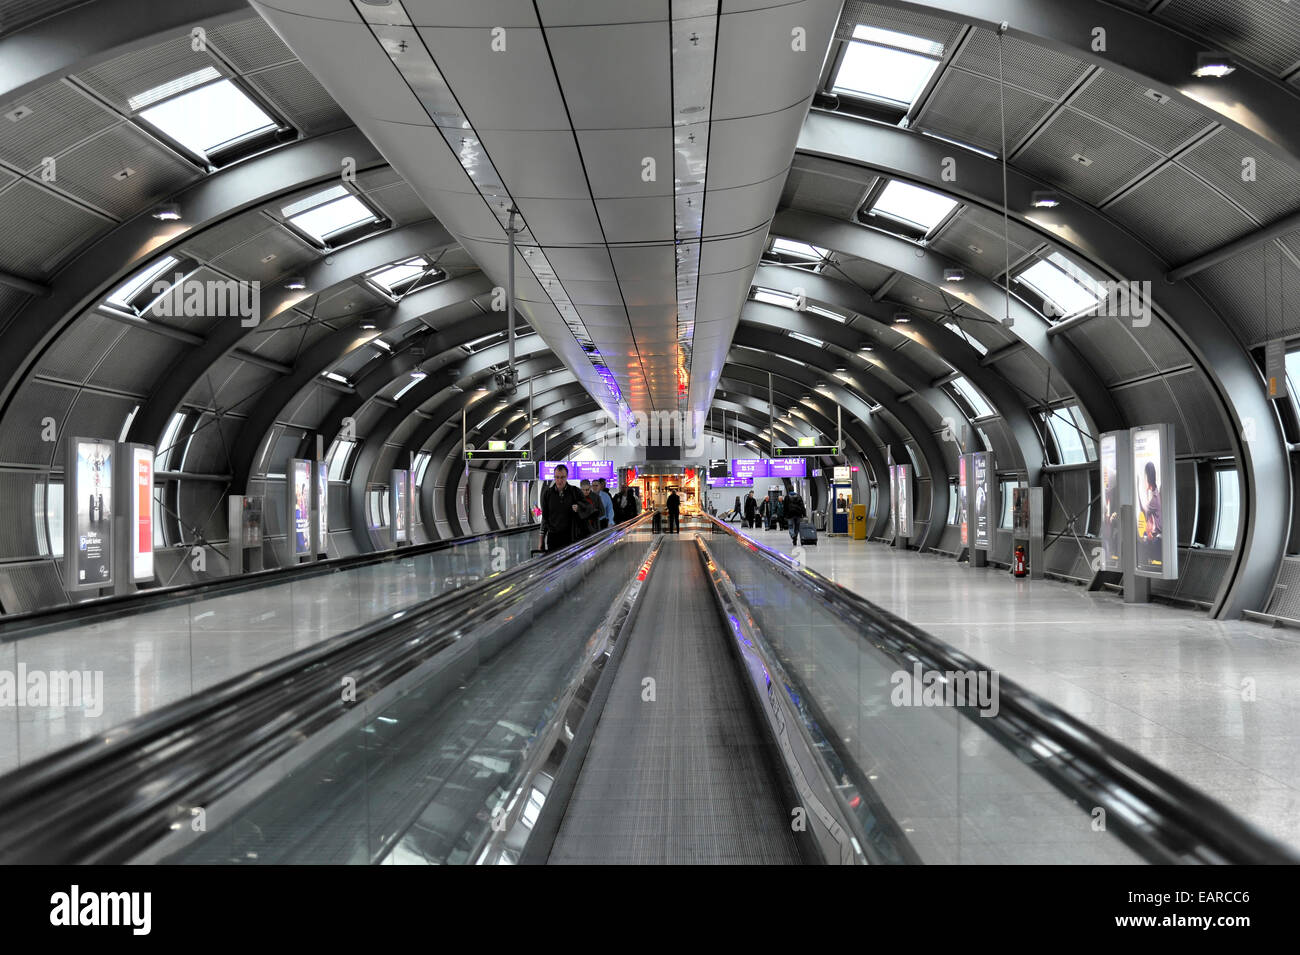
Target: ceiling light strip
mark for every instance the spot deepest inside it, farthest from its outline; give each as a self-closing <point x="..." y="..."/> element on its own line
<point x="694" y="44"/>
<point x="401" y="40"/>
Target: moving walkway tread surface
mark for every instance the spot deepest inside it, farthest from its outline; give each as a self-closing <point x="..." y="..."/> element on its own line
<point x="687" y="778"/>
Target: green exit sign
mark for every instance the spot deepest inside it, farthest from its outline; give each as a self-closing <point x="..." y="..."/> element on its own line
<point x="807" y="442"/>
<point x="496" y="445"/>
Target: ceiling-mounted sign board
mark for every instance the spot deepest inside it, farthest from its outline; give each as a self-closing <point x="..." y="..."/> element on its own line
<point x="1275" y="369"/>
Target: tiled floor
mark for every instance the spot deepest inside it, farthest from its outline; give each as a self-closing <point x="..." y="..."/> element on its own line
<point x="1167" y="682"/>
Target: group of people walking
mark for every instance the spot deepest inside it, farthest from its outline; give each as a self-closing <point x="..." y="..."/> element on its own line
<point x="784" y="511"/>
<point x="570" y="513"/>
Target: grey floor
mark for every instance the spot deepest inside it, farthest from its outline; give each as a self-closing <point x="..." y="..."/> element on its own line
<point x="685" y="778"/>
<point x="1167" y="682"/>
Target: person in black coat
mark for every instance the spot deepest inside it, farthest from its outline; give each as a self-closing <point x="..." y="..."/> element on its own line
<point x="751" y="509"/>
<point x="674" y="508"/>
<point x="626" y="504"/>
<point x="560" y="504"/>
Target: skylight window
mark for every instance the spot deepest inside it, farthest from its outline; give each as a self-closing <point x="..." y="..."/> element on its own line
<point x="328" y="214"/>
<point x="172" y="87"/>
<point x="887" y="66"/>
<point x="808" y="340"/>
<point x="396" y="279"/>
<point x="208" y="118"/>
<point x="972" y="397"/>
<point x="971" y="340"/>
<point x="826" y="313"/>
<point x="1065" y="287"/>
<point x="772" y="297"/>
<point x="801" y="250"/>
<point x="132" y="288"/>
<point x="913" y="205"/>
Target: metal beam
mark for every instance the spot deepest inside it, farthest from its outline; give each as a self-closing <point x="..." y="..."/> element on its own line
<point x="1256" y="106"/>
<point x="1234" y="248"/>
<point x="1230" y="372"/>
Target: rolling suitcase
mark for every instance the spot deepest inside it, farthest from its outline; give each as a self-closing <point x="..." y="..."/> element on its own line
<point x="807" y="534"/>
<point x="819" y="520"/>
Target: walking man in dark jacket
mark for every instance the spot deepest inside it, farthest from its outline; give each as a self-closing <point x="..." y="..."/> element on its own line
<point x="560" y="503"/>
<point x="795" y="512"/>
<point x="626" y="506"/>
<point x="751" y="509"/>
<point x="674" y="506"/>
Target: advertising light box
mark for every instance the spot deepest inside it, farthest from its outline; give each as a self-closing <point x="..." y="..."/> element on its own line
<point x="300" y="495"/>
<point x="88" y="529"/>
<point x="1116" y="463"/>
<point x="983" y="503"/>
<point x="903" y="480"/>
<point x="842" y="474"/>
<point x="963" y="514"/>
<point x="322" y="506"/>
<point x="141" y="513"/>
<point x="398" y="505"/>
<point x="1155" y="502"/>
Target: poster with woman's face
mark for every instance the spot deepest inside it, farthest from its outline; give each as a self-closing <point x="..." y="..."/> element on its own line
<point x="1154" y="507"/>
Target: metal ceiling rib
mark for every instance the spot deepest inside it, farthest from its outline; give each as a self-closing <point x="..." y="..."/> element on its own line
<point x="644" y="144"/>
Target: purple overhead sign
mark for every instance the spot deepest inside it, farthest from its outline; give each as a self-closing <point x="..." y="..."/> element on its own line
<point x="751" y="468"/>
<point x="578" y="470"/>
<point x="787" y="467"/>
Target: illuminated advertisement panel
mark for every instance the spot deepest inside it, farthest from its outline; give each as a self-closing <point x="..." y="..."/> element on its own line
<point x="88" y="530"/>
<point x="1115" y="461"/>
<point x="903" y="479"/>
<point x="1155" y="502"/>
<point x="300" y="495"/>
<point x="963" y="516"/>
<point x="893" y="500"/>
<point x="983" y="503"/>
<point x="141" y="513"/>
<point x="250" y="525"/>
<point x="578" y="470"/>
<point x="399" y="506"/>
<point x="322" y="505"/>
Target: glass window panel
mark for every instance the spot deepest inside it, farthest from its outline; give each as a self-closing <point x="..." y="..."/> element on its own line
<point x="1229" y="508"/>
<point x="881" y="73"/>
<point x="325" y="221"/>
<point x="205" y="119"/>
<point x="913" y="205"/>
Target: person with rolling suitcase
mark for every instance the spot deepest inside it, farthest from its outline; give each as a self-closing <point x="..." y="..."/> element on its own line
<point x="795" y="513"/>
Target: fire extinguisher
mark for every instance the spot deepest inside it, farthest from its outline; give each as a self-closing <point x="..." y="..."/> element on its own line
<point x="1020" y="570"/>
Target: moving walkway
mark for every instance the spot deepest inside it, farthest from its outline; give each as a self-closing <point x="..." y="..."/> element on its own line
<point x="159" y="645"/>
<point x="632" y="698"/>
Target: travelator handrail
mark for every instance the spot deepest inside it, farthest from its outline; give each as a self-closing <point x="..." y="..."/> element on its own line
<point x="15" y="626"/>
<point x="110" y="797"/>
<point x="1156" y="814"/>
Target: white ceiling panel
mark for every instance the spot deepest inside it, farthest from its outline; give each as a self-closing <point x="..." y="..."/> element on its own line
<point x="593" y="293"/>
<point x="636" y="220"/>
<point x="578" y="12"/>
<point x="733" y="158"/>
<point x="561" y="221"/>
<point x="720" y="256"/>
<point x="742" y="209"/>
<point x="537" y="163"/>
<point x="587" y="265"/>
<point x="767" y="36"/>
<point x="479" y="13"/>
<point x="480" y="74"/>
<point x="616" y="161"/>
<point x="647" y="292"/>
<point x="644" y="262"/>
<point x="615" y="76"/>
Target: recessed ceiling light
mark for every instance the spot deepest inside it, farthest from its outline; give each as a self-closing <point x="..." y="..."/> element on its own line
<point x="1213" y="66"/>
<point x="295" y="284"/>
<point x="419" y="375"/>
<point x="168" y="213"/>
<point x="954" y="275"/>
<point x="367" y="326"/>
<point x="1045" y="200"/>
<point x="902" y="318"/>
<point x="865" y="347"/>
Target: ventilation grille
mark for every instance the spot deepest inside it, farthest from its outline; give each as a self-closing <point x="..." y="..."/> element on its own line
<point x="1266" y="32"/>
<point x="1178" y="216"/>
<point x="967" y="107"/>
<point x="1285" y="601"/>
<point x="122" y="77"/>
<point x="61" y="117"/>
<point x="300" y="97"/>
<point x="1121" y="103"/>
<point x="88" y="171"/>
<point x="249" y="44"/>
<point x="1116" y="160"/>
<point x="1026" y="65"/>
<point x="42" y="230"/>
<point x="1274" y="193"/>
